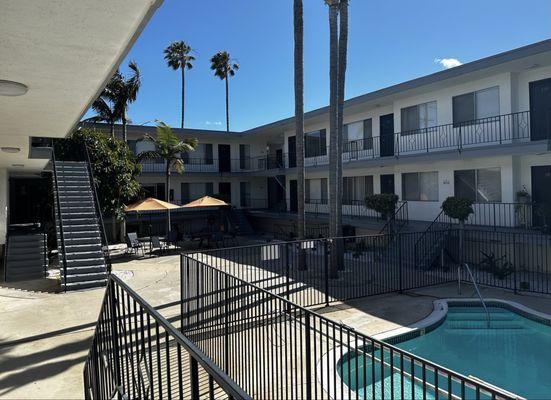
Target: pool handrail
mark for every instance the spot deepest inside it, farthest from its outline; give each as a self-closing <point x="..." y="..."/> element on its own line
<point x="475" y="287"/>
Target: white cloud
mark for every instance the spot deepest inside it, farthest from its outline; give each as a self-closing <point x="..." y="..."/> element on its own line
<point x="448" y="62"/>
<point x="217" y="123"/>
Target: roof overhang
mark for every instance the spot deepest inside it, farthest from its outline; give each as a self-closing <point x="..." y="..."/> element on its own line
<point x="64" y="51"/>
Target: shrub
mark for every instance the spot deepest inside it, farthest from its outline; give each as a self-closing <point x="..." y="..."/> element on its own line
<point x="384" y="203"/>
<point x="458" y="208"/>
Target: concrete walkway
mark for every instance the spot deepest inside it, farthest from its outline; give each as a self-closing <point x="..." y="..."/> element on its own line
<point x="45" y="336"/>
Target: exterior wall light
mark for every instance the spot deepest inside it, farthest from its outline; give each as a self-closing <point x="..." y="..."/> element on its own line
<point x="10" y="88"/>
<point x="10" y="149"/>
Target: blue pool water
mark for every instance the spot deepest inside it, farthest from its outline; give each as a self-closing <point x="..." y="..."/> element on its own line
<point x="514" y="354"/>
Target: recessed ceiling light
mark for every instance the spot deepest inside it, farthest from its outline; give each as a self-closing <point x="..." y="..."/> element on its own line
<point x="18" y="165"/>
<point x="10" y="149"/>
<point x="10" y="88"/>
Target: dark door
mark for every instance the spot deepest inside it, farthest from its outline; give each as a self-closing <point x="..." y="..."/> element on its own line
<point x="293" y="196"/>
<point x="276" y="192"/>
<point x="224" y="158"/>
<point x="541" y="195"/>
<point x="224" y="191"/>
<point x="387" y="135"/>
<point x="292" y="144"/>
<point x="279" y="158"/>
<point x="387" y="183"/>
<point x="540" y="109"/>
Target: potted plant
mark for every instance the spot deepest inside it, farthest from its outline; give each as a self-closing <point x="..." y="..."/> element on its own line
<point x="460" y="209"/>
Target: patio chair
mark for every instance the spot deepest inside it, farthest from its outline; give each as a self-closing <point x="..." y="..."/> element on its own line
<point x="156" y="244"/>
<point x="133" y="244"/>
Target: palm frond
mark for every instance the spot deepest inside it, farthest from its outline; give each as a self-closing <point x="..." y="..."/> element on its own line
<point x="149" y="155"/>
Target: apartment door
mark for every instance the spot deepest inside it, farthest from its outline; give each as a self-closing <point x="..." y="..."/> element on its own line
<point x="224" y="191"/>
<point x="387" y="183"/>
<point x="540" y="109"/>
<point x="386" y="124"/>
<point x="279" y="158"/>
<point x="224" y="158"/>
<point x="276" y="191"/>
<point x="541" y="195"/>
<point x="292" y="145"/>
<point x="293" y="196"/>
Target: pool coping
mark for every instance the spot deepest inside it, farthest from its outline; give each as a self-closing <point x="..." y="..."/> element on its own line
<point x="418" y="328"/>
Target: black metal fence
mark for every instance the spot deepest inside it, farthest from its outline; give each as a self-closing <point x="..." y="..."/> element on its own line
<point x="138" y="354"/>
<point x="274" y="348"/>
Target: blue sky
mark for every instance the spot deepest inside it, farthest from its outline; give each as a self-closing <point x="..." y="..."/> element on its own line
<point x="389" y="42"/>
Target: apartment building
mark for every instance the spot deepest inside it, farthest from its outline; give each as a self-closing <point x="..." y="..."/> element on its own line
<point x="480" y="130"/>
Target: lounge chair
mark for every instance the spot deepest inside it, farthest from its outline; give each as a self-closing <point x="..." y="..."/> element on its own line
<point x="156" y="244"/>
<point x="133" y="244"/>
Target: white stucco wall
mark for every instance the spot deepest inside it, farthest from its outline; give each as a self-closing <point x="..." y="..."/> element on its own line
<point x="3" y="204"/>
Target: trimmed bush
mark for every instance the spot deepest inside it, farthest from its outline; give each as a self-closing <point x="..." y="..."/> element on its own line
<point x="457" y="208"/>
<point x="384" y="203"/>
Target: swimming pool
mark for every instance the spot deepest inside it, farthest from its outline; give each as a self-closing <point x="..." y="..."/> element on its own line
<point x="514" y="353"/>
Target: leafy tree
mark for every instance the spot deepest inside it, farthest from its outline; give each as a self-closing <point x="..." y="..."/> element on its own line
<point x="383" y="203"/>
<point x="177" y="57"/>
<point x="224" y="67"/>
<point x="169" y="147"/>
<point x="460" y="209"/>
<point x="114" y="166"/>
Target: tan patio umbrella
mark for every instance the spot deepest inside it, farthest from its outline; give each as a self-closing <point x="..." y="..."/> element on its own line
<point x="206" y="201"/>
<point x="151" y="204"/>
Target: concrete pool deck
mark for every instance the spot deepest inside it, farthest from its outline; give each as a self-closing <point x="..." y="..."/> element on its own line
<point x="45" y="336"/>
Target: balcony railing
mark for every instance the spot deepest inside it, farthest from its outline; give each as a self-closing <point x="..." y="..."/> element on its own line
<point x="499" y="130"/>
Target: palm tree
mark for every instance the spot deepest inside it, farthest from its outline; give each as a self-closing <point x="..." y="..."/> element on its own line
<point x="177" y="57"/>
<point x="342" y="48"/>
<point x="104" y="105"/>
<point x="298" y="25"/>
<point x="125" y="92"/>
<point x="169" y="147"/>
<point x="333" y="134"/>
<point x="221" y="64"/>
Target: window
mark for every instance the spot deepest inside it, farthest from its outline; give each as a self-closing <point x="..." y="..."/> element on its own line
<point x="356" y="189"/>
<point x="418" y="117"/>
<point x="358" y="135"/>
<point x="480" y="185"/>
<point x="244" y="156"/>
<point x="208" y="154"/>
<point x="315" y="144"/>
<point x="476" y="105"/>
<point x="420" y="186"/>
<point x="315" y="191"/>
<point x="160" y="190"/>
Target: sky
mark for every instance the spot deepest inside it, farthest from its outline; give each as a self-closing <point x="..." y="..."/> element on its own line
<point x="390" y="41"/>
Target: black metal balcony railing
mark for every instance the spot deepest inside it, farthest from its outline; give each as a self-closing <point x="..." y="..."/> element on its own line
<point x="499" y="130"/>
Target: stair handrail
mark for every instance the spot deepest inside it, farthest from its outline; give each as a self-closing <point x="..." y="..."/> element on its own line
<point x="402" y="209"/>
<point x="61" y="234"/>
<point x="466" y="266"/>
<point x="99" y="214"/>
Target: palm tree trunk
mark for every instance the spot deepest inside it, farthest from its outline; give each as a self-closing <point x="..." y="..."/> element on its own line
<point x="342" y="48"/>
<point x="123" y="120"/>
<point x="298" y="25"/>
<point x="167" y="199"/>
<point x="113" y="129"/>
<point x="183" y="95"/>
<point x="227" y="104"/>
<point x="333" y="134"/>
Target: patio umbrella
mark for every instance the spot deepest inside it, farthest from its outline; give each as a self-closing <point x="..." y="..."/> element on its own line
<point x="150" y="204"/>
<point x="205" y="201"/>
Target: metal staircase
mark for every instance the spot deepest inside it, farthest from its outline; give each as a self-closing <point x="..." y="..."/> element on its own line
<point x="81" y="240"/>
<point x="26" y="256"/>
<point x="433" y="240"/>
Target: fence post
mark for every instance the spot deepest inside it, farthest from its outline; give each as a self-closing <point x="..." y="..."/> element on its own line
<point x="226" y="326"/>
<point x="194" y="378"/>
<point x="400" y="260"/>
<point x="515" y="262"/>
<point x="287" y="289"/>
<point x="326" y="268"/>
<point x="114" y="336"/>
<point x="308" y="361"/>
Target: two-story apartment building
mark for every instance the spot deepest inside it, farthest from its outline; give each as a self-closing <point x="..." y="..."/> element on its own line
<point x="480" y="130"/>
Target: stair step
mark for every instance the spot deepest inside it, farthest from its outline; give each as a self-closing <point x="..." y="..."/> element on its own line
<point x="75" y="246"/>
<point x="83" y="255"/>
<point x="85" y="285"/>
<point x="68" y="229"/>
<point x="86" y="262"/>
<point x="84" y="277"/>
<point x="86" y="269"/>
